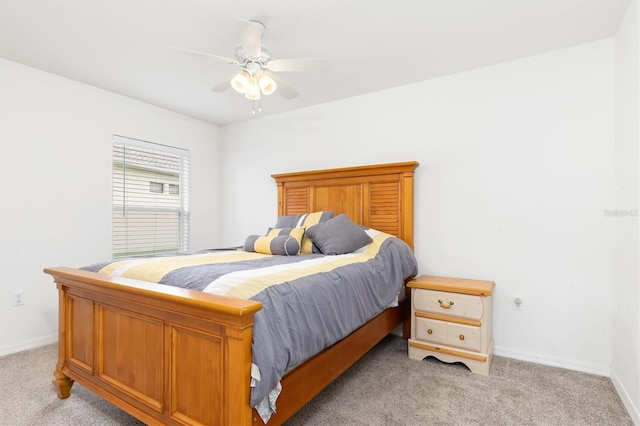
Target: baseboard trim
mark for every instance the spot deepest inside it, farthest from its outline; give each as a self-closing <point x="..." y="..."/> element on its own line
<point x="28" y="344"/>
<point x="569" y="364"/>
<point x="634" y="411"/>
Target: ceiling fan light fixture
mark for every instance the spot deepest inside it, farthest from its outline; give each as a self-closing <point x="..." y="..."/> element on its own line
<point x="258" y="69"/>
<point x="266" y="83"/>
<point x="241" y="81"/>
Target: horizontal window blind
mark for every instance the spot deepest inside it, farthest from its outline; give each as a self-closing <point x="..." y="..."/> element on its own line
<point x="150" y="198"/>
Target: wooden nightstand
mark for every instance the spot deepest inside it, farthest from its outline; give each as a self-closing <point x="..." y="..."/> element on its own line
<point x="451" y="320"/>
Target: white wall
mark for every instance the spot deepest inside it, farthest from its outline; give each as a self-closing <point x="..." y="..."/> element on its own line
<point x="516" y="173"/>
<point x="55" y="186"/>
<point x="625" y="371"/>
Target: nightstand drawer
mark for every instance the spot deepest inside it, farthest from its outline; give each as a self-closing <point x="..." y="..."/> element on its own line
<point x="429" y="330"/>
<point x="446" y="333"/>
<point x="463" y="336"/>
<point x="445" y="303"/>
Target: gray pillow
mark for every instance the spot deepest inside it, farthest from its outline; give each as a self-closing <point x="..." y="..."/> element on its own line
<point x="338" y="235"/>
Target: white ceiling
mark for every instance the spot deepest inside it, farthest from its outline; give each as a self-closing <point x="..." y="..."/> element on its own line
<point x="124" y="45"/>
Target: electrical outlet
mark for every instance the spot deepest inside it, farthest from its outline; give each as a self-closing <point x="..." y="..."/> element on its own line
<point x="518" y="303"/>
<point x="18" y="298"/>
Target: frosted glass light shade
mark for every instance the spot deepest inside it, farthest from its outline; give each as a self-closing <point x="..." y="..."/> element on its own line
<point x="267" y="85"/>
<point x="241" y="81"/>
<point x="253" y="91"/>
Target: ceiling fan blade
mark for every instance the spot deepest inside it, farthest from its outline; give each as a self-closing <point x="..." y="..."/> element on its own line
<point x="294" y="65"/>
<point x="209" y="55"/>
<point x="284" y="89"/>
<point x="251" y="35"/>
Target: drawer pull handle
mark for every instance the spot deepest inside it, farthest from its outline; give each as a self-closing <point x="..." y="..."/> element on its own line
<point x="429" y="331"/>
<point x="443" y="306"/>
<point x="462" y="337"/>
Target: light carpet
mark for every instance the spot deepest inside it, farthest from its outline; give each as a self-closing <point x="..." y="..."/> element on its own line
<point x="383" y="388"/>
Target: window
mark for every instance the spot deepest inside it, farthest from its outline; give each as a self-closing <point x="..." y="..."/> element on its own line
<point x="174" y="189"/>
<point x="150" y="210"/>
<point x="156" y="187"/>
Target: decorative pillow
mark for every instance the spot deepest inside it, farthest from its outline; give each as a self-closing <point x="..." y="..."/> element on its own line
<point x="283" y="245"/>
<point x="338" y="235"/>
<point x="304" y="220"/>
<point x="269" y="244"/>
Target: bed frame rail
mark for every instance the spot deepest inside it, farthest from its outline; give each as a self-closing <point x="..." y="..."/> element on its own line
<point x="310" y="378"/>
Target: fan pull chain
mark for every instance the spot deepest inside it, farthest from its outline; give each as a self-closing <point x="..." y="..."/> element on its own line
<point x="253" y="106"/>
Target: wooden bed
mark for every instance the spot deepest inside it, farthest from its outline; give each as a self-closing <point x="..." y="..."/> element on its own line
<point x="142" y="346"/>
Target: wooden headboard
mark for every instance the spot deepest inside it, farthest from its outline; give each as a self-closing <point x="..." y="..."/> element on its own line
<point x="379" y="196"/>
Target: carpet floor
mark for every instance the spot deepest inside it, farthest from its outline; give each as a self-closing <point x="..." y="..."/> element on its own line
<point x="383" y="388"/>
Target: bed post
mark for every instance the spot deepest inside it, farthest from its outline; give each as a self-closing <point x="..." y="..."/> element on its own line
<point x="280" y="198"/>
<point x="239" y="411"/>
<point x="62" y="382"/>
<point x="407" y="207"/>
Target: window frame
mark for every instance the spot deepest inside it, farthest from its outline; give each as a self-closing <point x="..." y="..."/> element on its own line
<point x="128" y="239"/>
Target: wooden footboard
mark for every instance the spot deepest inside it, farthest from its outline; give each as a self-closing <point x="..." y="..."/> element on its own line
<point x="166" y="355"/>
<point x="170" y="356"/>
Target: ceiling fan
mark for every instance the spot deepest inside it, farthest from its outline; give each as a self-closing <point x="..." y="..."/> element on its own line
<point x="257" y="67"/>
